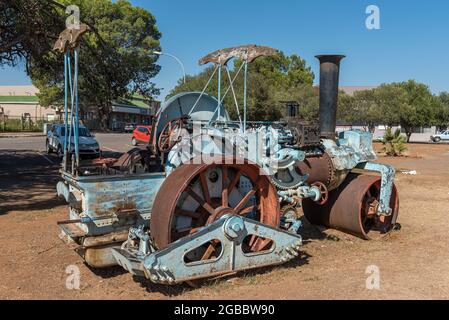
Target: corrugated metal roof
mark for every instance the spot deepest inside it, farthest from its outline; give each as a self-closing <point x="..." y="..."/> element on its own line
<point x="19" y="99"/>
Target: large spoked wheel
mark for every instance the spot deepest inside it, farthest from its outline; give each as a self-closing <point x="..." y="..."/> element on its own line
<point x="169" y="135"/>
<point x="195" y="195"/>
<point x="352" y="208"/>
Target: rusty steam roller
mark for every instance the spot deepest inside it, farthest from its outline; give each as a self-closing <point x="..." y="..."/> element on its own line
<point x="209" y="196"/>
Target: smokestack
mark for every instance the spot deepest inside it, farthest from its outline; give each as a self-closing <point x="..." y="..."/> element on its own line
<point x="329" y="73"/>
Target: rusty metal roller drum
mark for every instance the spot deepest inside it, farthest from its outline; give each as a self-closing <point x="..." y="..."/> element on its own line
<point x="352" y="208"/>
<point x="199" y="194"/>
<point x="319" y="169"/>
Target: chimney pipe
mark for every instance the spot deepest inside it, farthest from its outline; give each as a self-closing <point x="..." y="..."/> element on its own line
<point x="329" y="74"/>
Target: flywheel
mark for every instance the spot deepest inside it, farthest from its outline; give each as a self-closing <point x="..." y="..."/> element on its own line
<point x="195" y="195"/>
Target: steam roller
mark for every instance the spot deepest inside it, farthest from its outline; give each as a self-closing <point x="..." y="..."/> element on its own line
<point x="209" y="196"/>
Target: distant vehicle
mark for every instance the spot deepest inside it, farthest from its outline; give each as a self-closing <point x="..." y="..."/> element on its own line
<point x="141" y="135"/>
<point x="380" y="138"/>
<point x="129" y="127"/>
<point x="88" y="145"/>
<point x="440" y="136"/>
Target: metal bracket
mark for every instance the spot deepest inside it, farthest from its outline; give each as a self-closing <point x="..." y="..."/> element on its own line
<point x="169" y="265"/>
<point x="386" y="187"/>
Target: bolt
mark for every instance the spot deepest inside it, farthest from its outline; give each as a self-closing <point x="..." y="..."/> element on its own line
<point x="156" y="267"/>
<point x="236" y="227"/>
<point x="154" y="278"/>
<point x="233" y="227"/>
<point x="164" y="268"/>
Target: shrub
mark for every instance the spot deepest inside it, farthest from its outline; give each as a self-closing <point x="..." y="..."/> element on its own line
<point x="394" y="143"/>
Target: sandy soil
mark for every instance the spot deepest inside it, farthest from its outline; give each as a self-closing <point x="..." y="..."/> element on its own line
<point x="413" y="262"/>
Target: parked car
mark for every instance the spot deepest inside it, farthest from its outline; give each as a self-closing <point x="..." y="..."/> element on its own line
<point x="141" y="135"/>
<point x="440" y="136"/>
<point x="129" y="127"/>
<point x="88" y="145"/>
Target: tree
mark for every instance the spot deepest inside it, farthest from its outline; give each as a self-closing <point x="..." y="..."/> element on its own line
<point x="115" y="59"/>
<point x="418" y="109"/>
<point x="270" y="80"/>
<point x="442" y="110"/>
<point x="409" y="104"/>
<point x="361" y="108"/>
<point x="27" y="29"/>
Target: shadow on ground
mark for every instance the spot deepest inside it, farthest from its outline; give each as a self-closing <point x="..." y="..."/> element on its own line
<point x="179" y="289"/>
<point x="27" y="181"/>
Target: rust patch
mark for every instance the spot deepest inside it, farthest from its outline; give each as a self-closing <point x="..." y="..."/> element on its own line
<point x="246" y="53"/>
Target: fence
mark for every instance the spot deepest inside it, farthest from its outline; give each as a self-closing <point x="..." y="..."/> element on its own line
<point x="24" y="124"/>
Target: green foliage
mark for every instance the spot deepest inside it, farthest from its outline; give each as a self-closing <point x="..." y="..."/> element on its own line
<point x="361" y="108"/>
<point x="116" y="57"/>
<point x="408" y="104"/>
<point x="416" y="107"/>
<point x="270" y="80"/>
<point x="394" y="143"/>
<point x="26" y="29"/>
<point x="17" y="125"/>
<point x="441" y="103"/>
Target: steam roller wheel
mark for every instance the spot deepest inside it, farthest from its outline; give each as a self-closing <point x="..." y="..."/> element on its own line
<point x="352" y="208"/>
<point x="195" y="195"/>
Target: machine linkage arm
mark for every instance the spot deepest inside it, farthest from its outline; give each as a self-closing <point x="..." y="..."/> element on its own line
<point x="169" y="266"/>
<point x="386" y="188"/>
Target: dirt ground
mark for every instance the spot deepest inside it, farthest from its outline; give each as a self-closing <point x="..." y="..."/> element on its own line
<point x="413" y="262"/>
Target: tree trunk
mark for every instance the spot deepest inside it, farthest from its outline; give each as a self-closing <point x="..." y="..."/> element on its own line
<point x="408" y="134"/>
<point x="104" y="112"/>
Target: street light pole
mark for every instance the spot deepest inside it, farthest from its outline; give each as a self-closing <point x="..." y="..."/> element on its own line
<point x="176" y="58"/>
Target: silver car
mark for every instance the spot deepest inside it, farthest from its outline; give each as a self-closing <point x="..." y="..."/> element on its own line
<point x="440" y="136"/>
<point x="88" y="145"/>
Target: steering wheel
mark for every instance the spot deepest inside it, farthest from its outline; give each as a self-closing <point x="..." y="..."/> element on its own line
<point x="170" y="135"/>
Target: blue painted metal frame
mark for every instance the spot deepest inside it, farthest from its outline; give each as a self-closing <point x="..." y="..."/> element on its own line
<point x="386" y="185"/>
<point x="103" y="197"/>
<point x="72" y="128"/>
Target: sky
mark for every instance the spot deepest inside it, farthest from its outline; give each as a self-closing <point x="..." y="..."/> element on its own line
<point x="410" y="44"/>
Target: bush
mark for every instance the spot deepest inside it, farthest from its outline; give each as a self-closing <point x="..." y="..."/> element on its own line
<point x="16" y="125"/>
<point x="394" y="143"/>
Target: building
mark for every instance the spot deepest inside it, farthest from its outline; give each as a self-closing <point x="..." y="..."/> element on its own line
<point x="350" y="90"/>
<point x="21" y="102"/>
<point x="17" y="101"/>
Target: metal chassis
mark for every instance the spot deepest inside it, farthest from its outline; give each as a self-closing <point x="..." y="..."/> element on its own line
<point x="167" y="266"/>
